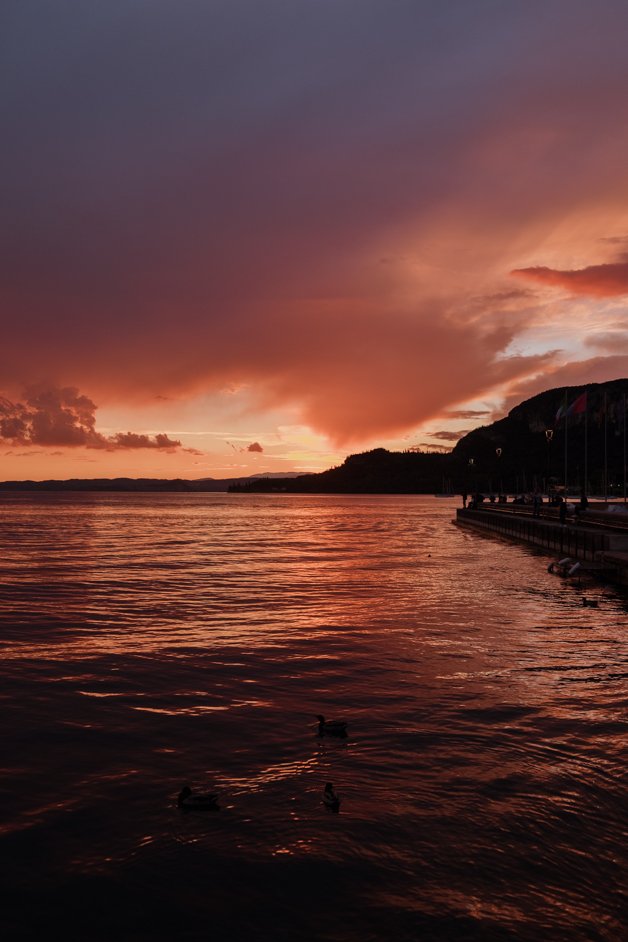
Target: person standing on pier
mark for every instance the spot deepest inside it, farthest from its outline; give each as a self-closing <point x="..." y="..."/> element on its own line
<point x="582" y="506"/>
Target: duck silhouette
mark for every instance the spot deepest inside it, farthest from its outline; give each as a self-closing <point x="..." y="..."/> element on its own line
<point x="191" y="802"/>
<point x="330" y="798"/>
<point x="589" y="603"/>
<point x="331" y="727"/>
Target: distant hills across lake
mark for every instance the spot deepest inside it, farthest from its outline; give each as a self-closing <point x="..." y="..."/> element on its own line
<point x="138" y="484"/>
<point x="557" y="438"/>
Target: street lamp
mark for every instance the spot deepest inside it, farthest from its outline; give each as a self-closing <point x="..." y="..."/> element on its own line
<point x="498" y="452"/>
<point x="549" y="434"/>
<point x="471" y="463"/>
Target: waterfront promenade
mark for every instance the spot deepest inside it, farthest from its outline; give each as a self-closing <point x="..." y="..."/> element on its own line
<point x="598" y="537"/>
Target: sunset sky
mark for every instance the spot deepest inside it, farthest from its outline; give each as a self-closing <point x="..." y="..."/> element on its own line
<point x="258" y="235"/>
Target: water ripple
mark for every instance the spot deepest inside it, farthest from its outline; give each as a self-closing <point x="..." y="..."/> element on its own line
<point x="150" y="641"/>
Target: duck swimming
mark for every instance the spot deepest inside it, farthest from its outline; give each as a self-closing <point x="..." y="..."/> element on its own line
<point x="589" y="603"/>
<point x="330" y="798"/>
<point x="331" y="727"/>
<point x="189" y="801"/>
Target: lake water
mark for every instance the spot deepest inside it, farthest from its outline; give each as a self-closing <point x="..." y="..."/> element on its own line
<point x="154" y="640"/>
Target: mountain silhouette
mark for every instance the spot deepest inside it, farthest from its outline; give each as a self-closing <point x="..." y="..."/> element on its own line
<point x="522" y="452"/>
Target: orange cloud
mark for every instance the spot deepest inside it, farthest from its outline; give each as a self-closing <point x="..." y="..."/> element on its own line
<point x="600" y="281"/>
<point x="360" y="373"/>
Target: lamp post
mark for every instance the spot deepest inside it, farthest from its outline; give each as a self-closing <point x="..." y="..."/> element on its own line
<point x="498" y="452"/>
<point x="549" y="434"/>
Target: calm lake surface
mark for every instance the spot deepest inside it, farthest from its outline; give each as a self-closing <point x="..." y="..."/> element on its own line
<point x="150" y="641"/>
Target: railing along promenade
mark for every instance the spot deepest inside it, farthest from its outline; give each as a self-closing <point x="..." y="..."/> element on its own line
<point x="588" y="537"/>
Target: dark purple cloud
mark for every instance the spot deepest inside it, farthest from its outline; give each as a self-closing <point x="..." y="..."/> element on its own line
<point x="64" y="417"/>
<point x="449" y="436"/>
<point x="240" y="449"/>
<point x="467" y="413"/>
<point x="135" y="440"/>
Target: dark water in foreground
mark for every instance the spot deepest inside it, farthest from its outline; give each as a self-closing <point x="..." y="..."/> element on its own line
<point x="150" y="641"/>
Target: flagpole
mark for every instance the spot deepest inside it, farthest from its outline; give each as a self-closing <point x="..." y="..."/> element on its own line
<point x="605" y="454"/>
<point x="565" y="454"/>
<point x="624" y="448"/>
<point x="586" y="446"/>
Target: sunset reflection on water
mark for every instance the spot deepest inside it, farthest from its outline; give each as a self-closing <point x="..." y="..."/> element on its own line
<point x="150" y="641"/>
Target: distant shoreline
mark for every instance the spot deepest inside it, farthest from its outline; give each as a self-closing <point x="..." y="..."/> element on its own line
<point x="176" y="485"/>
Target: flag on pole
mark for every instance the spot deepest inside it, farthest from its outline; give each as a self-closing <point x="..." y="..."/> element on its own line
<point x="578" y="406"/>
<point x="562" y="409"/>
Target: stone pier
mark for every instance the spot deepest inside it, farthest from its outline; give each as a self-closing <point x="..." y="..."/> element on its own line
<point x="601" y="545"/>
